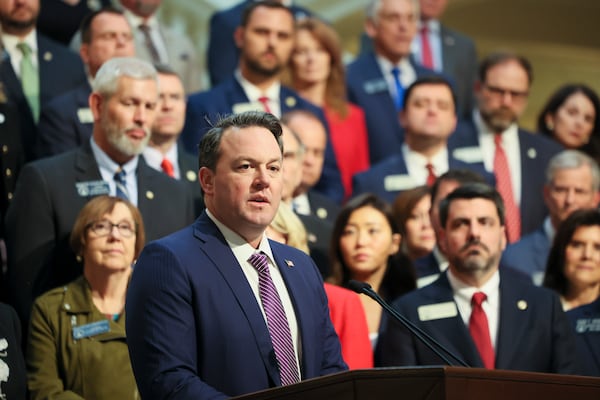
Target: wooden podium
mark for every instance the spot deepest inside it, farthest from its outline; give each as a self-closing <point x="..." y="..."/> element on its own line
<point x="436" y="383"/>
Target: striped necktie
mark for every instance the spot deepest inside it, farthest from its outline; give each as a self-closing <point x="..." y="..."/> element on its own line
<point x="121" y="184"/>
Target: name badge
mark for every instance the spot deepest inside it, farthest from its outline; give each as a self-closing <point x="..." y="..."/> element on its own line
<point x="469" y="155"/>
<point x="393" y="183"/>
<point x="437" y="311"/>
<point x="85" y="115"/>
<point x="587" y="325"/>
<point x="93" y="329"/>
<point x="239" y="108"/>
<point x="92" y="188"/>
<point x="375" y="86"/>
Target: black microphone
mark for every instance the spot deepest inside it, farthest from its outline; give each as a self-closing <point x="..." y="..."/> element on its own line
<point x="431" y="343"/>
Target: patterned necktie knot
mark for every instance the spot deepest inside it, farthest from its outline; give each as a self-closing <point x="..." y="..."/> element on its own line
<point x="478" y="299"/>
<point x="259" y="262"/>
<point x="121" y="184"/>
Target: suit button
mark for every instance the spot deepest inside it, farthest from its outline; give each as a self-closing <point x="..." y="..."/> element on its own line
<point x="9" y="195"/>
<point x="4" y="149"/>
<point x="8" y="172"/>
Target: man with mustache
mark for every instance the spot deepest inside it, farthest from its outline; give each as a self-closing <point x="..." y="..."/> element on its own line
<point x="51" y="191"/>
<point x="487" y="316"/>
<point x="517" y="158"/>
<point x="265" y="39"/>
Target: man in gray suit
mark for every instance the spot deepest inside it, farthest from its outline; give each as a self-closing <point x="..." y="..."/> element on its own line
<point x="444" y="50"/>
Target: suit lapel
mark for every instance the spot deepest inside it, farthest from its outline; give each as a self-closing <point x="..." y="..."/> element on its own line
<point x="86" y="167"/>
<point x="448" y="53"/>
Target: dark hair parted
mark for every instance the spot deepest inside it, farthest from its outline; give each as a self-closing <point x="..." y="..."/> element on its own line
<point x="253" y="5"/>
<point x="501" y="57"/>
<point x="432" y="79"/>
<point x="472" y="191"/>
<point x="405" y="202"/>
<point x="399" y="276"/>
<point x="85" y="27"/>
<point x="210" y="144"/>
<point x="461" y="176"/>
<point x="555" y="276"/>
<point x="94" y="211"/>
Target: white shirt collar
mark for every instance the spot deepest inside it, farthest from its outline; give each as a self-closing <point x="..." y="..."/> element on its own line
<point x="253" y="92"/>
<point x="416" y="163"/>
<point x="135" y="21"/>
<point x="407" y="72"/>
<point x="154" y="158"/>
<point x="10" y="43"/>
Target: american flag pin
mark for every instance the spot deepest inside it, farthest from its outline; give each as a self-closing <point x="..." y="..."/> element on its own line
<point x="289" y="263"/>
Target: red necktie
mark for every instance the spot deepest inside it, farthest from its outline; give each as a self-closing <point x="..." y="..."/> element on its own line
<point x="480" y="331"/>
<point x="265" y="102"/>
<point x="426" y="54"/>
<point x="504" y="186"/>
<point x="430" y="175"/>
<point x="167" y="167"/>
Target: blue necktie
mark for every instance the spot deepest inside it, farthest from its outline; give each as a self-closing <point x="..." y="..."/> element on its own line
<point x="121" y="184"/>
<point x="399" y="100"/>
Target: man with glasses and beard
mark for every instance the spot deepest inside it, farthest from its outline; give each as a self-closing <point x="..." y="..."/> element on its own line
<point x="51" y="191"/>
<point x="487" y="316"/>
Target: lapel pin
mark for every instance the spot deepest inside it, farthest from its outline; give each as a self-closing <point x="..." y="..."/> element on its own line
<point x="290" y="101"/>
<point x="531" y="153"/>
<point x="149" y="194"/>
<point x="191" y="176"/>
<point x="289" y="263"/>
<point x="47" y="56"/>
<point x="522" y="305"/>
<point x="321" y="213"/>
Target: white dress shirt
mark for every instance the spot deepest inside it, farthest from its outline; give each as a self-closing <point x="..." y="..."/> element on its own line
<point x="154" y="159"/>
<point x="108" y="169"/>
<point x="416" y="164"/>
<point x="10" y="43"/>
<point x="407" y="73"/>
<point x="253" y="93"/>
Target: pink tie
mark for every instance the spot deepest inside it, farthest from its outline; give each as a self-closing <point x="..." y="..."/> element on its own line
<point x="167" y="167"/>
<point x="265" y="102"/>
<point x="480" y="331"/>
<point x="504" y="186"/>
<point x="426" y="54"/>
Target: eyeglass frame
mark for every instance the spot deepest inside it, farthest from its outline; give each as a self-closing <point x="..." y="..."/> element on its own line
<point x="132" y="231"/>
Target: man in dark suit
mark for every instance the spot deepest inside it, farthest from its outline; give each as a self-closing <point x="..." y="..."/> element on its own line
<point x="223" y="55"/>
<point x="376" y="80"/>
<point x="517" y="158"/>
<point x="573" y="183"/>
<point x="199" y="320"/>
<point x="50" y="68"/>
<point x="446" y="51"/>
<point x="163" y="153"/>
<point x="482" y="314"/>
<point x="265" y="38"/>
<point x="50" y="192"/>
<point x="66" y="122"/>
<point x="429" y="119"/>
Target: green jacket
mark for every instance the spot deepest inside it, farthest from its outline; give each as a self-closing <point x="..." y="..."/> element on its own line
<point x="95" y="365"/>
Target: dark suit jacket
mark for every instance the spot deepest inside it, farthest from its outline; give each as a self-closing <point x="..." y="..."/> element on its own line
<point x="533" y="331"/>
<point x="188" y="167"/>
<point x="223" y="54"/>
<point x="529" y="255"/>
<point x="536" y="152"/>
<point x="45" y="206"/>
<point x="60" y="70"/>
<point x="373" y="179"/>
<point x="219" y="102"/>
<point x="195" y="329"/>
<point x="11" y="156"/>
<point x="586" y="322"/>
<point x="368" y="89"/>
<point x="64" y="122"/>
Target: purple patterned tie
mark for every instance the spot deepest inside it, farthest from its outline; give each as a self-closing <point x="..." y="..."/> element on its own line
<point x="277" y="323"/>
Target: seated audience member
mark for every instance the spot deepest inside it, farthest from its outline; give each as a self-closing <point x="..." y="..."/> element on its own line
<point x="223" y="55"/>
<point x="256" y="85"/>
<point x="345" y="308"/>
<point x="429" y="267"/>
<point x="482" y="313"/>
<point x="66" y="122"/>
<point x="429" y="120"/>
<point x="51" y="191"/>
<point x="13" y="377"/>
<point x="163" y="152"/>
<point x="516" y="157"/>
<point x="572" y="117"/>
<point x="574" y="272"/>
<point x="77" y="347"/>
<point x="572" y="183"/>
<point x="364" y="247"/>
<point x="317" y="74"/>
<point x="411" y="211"/>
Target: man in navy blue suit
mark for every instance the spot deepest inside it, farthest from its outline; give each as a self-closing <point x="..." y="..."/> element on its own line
<point x="66" y="122"/>
<point x="429" y="119"/>
<point x="516" y="326"/>
<point x="392" y="25"/>
<point x="50" y="68"/>
<point x="223" y="54"/>
<point x="266" y="39"/>
<point x="501" y="93"/>
<point x="195" y="325"/>
<point x="573" y="183"/>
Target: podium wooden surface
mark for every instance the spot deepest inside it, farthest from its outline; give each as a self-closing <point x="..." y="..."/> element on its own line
<point x="436" y="383"/>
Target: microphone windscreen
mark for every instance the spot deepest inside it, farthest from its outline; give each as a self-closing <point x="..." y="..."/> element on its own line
<point x="357" y="286"/>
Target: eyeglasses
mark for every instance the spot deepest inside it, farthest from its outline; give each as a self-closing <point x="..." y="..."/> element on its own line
<point x="499" y="92"/>
<point x="105" y="227"/>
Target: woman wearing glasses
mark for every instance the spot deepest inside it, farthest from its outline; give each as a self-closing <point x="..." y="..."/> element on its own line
<point x="77" y="346"/>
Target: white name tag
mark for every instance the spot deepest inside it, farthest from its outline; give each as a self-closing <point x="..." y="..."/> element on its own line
<point x="393" y="183"/>
<point x="469" y="155"/>
<point x="245" y="107"/>
<point x="375" y="86"/>
<point x="437" y="311"/>
<point x="85" y="115"/>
